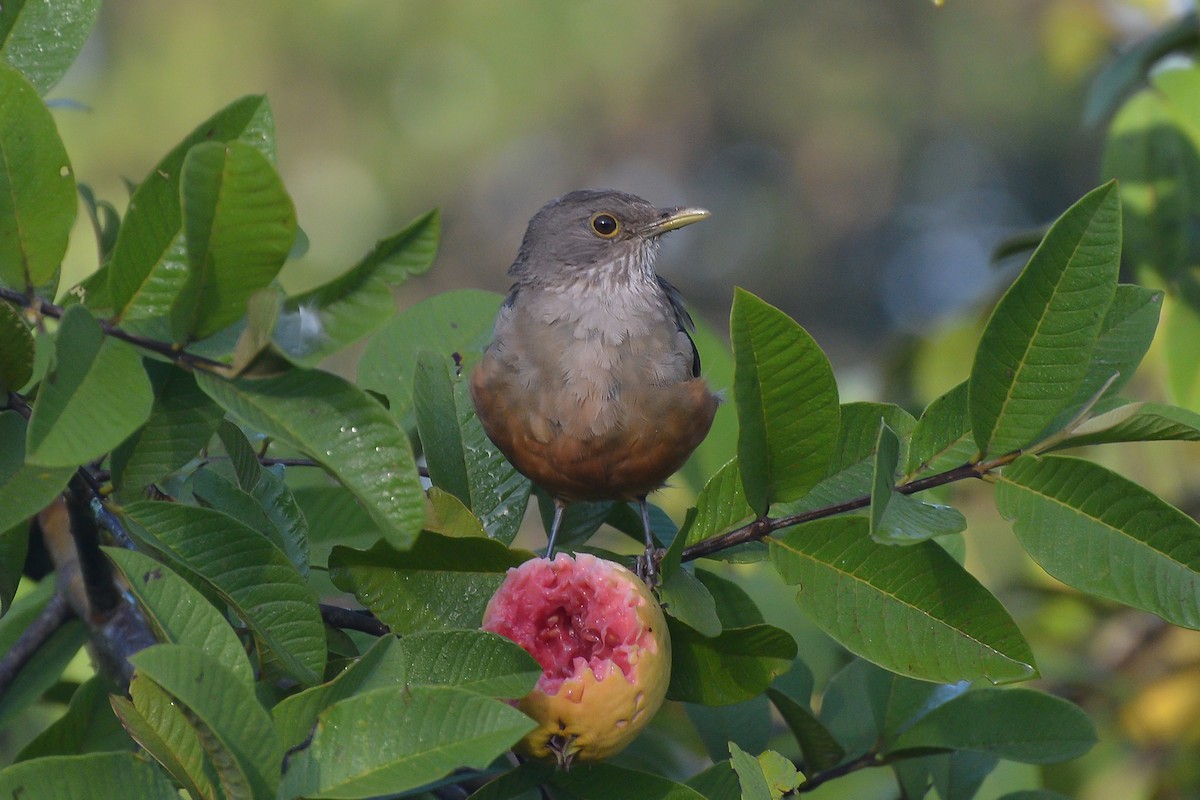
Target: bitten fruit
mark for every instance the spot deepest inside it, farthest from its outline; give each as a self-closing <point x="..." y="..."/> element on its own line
<point x="602" y="642"/>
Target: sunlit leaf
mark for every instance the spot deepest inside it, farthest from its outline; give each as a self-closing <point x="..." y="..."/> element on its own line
<point x="1105" y="535"/>
<point x="86" y="777"/>
<point x="41" y="39"/>
<point x="913" y="610"/>
<point x="1035" y="351"/>
<point x="37" y="185"/>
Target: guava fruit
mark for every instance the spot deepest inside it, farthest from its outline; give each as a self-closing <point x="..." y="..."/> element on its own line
<point x="602" y="642"/>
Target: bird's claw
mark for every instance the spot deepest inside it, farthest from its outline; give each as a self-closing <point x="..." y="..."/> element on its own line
<point x="647" y="565"/>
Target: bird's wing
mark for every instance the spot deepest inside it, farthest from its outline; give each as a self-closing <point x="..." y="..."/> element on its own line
<point x="682" y="319"/>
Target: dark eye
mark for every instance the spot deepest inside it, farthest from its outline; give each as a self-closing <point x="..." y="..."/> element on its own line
<point x="605" y="224"/>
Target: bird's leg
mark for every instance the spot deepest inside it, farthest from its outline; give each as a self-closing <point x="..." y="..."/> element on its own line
<point x="647" y="563"/>
<point x="559" y="507"/>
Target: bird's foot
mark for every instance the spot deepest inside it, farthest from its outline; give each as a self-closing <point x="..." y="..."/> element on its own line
<point x="647" y="565"/>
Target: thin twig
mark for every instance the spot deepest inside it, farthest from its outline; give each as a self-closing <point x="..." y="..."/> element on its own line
<point x="865" y="761"/>
<point x="756" y="530"/>
<point x="354" y="620"/>
<point x="166" y="349"/>
<point x="55" y="614"/>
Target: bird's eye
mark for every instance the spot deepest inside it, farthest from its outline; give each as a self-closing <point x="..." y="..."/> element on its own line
<point x="605" y="225"/>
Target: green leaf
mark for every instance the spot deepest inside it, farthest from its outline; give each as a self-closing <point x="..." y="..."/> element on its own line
<point x="179" y="613"/>
<point x="607" y="781"/>
<point x="483" y="662"/>
<point x="1180" y="334"/>
<point x="817" y="745"/>
<point x="41" y="39"/>
<point x="86" y="777"/>
<point x="37" y="186"/>
<point x="182" y="420"/>
<point x="461" y="458"/>
<point x="164" y="729"/>
<point x="858" y="434"/>
<point x="25" y="488"/>
<point x="734" y="666"/>
<point x="913" y="610"/>
<point x="750" y="774"/>
<point x="1105" y="535"/>
<point x="344" y="430"/>
<point x="14" y="546"/>
<point x="451" y="322"/>
<point x="88" y="726"/>
<point x="896" y="518"/>
<point x="688" y="601"/>
<point x="246" y="570"/>
<point x="398" y="738"/>
<point x="241" y="455"/>
<point x="787" y="404"/>
<point x="942" y="438"/>
<point x="355" y="304"/>
<point x="149" y="263"/>
<point x="16" y="350"/>
<point x="748" y="724"/>
<point x="1137" y="422"/>
<point x="438" y="584"/>
<point x="1125" y="336"/>
<point x="237" y="730"/>
<point x="1016" y="724"/>
<point x="269" y="509"/>
<point x="1035" y="351"/>
<point x="718" y="782"/>
<point x="720" y="506"/>
<point x="239" y="224"/>
<point x="95" y="395"/>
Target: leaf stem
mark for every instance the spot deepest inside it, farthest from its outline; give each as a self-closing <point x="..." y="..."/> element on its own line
<point x="167" y="349"/>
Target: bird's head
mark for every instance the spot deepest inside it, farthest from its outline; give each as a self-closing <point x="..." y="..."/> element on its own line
<point x="589" y="229"/>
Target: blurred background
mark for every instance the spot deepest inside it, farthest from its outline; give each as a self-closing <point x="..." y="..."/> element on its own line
<point x="862" y="160"/>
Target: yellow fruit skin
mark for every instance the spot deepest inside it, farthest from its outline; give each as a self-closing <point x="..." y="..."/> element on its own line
<point x="591" y="718"/>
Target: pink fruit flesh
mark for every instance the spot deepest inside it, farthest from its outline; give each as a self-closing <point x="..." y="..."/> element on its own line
<point x="570" y="615"/>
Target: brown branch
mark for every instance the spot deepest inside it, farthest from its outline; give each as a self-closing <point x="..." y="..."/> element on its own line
<point x="763" y="526"/>
<point x="56" y="613"/>
<point x="353" y="619"/>
<point x="167" y="349"/>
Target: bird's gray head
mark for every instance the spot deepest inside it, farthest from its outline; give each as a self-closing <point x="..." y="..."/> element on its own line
<point x="587" y="230"/>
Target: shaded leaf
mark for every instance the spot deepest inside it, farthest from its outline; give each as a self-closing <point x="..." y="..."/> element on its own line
<point x="37" y="184"/>
<point x="86" y="777"/>
<point x="750" y="774"/>
<point x="323" y="320"/>
<point x="271" y="510"/>
<point x="746" y="724"/>
<point x="398" y="738"/>
<point x="1035" y="351"/>
<point x="1016" y="724"/>
<point x="1129" y="68"/>
<point x="817" y="745"/>
<point x="344" y="430"/>
<point x="787" y="404"/>
<point x="237" y="730"/>
<point x="686" y="599"/>
<point x="88" y="726"/>
<point x="46" y="666"/>
<point x="912" y="610"/>
<point x="720" y="506"/>
<point x="603" y="781"/>
<point x="1137" y="422"/>
<point x="729" y="668"/>
<point x="95" y="395"/>
<point x="942" y="438"/>
<point x="896" y="518"/>
<point x="246" y="570"/>
<point x="182" y="420"/>
<point x="25" y="489"/>
<point x="1105" y="535"/>
<point x="16" y="350"/>
<point x="179" y="613"/>
<point x="438" y="584"/>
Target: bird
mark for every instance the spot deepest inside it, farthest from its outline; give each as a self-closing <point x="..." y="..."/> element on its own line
<point x="591" y="385"/>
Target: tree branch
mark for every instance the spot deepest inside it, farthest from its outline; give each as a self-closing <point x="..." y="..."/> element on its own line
<point x="55" y="614"/>
<point x="166" y="349"/>
<point x="763" y="526"/>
